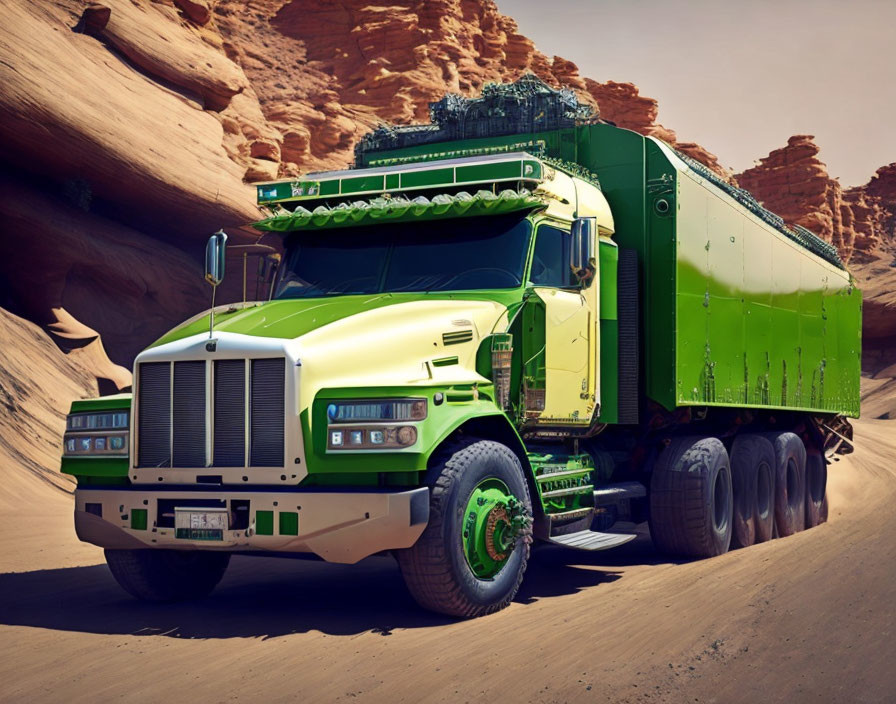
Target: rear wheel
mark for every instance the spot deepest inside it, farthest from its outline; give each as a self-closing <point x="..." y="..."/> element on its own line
<point x="691" y="498"/>
<point x="167" y="575"/>
<point x="752" y="459"/>
<point x="765" y="494"/>
<point x="471" y="557"/>
<point x="790" y="483"/>
<point x="816" y="488"/>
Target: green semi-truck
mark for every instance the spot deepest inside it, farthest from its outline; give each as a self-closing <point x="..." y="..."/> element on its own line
<point x="518" y="323"/>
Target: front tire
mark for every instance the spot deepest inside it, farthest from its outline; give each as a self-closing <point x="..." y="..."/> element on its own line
<point x="167" y="575"/>
<point x="471" y="558"/>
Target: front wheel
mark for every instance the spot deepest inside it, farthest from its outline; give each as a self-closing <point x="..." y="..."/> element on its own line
<point x="471" y="557"/>
<point x="167" y="575"/>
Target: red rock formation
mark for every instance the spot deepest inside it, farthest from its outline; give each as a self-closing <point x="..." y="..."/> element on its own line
<point x="327" y="73"/>
<point x="872" y="210"/>
<point x="335" y="69"/>
<point x="151" y="37"/>
<point x="622" y="104"/>
<point x="794" y="183"/>
<point x="196" y="10"/>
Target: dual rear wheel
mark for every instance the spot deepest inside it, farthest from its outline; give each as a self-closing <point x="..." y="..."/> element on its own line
<point x="703" y="501"/>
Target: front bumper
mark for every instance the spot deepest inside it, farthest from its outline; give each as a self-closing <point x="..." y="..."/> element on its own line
<point x="337" y="526"/>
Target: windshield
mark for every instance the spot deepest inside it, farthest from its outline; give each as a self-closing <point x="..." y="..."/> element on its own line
<point x="440" y="255"/>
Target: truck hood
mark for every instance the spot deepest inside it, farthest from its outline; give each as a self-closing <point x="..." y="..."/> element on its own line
<point x="378" y="340"/>
<point x="293" y="318"/>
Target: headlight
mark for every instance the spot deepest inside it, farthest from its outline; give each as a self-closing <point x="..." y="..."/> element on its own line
<point x="374" y="424"/>
<point x="97" y="434"/>
<point x="376" y="410"/>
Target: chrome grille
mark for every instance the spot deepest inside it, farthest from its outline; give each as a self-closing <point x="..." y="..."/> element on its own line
<point x="230" y="413"/>
<point x="172" y="418"/>
<point x="154" y="425"/>
<point x="266" y="413"/>
<point x="188" y="429"/>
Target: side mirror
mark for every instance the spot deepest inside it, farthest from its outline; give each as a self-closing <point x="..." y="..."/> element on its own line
<point x="214" y="257"/>
<point x="584" y="233"/>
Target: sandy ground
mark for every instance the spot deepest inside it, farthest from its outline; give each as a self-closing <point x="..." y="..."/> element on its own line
<point x="806" y="618"/>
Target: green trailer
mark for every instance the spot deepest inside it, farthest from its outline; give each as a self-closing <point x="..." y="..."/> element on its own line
<point x="517" y="323"/>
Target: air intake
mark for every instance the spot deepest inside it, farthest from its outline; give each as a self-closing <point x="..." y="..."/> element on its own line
<point x="456" y="338"/>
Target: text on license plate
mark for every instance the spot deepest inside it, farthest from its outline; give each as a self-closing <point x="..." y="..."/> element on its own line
<point x="200" y="523"/>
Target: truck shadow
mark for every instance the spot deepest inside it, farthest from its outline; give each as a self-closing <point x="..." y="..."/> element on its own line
<point x="271" y="597"/>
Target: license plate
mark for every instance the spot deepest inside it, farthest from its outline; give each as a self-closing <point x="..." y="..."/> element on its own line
<point x="200" y="523"/>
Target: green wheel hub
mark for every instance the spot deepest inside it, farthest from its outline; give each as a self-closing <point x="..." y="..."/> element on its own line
<point x="492" y="521"/>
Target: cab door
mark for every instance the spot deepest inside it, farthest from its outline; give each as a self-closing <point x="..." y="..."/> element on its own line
<point x="569" y="361"/>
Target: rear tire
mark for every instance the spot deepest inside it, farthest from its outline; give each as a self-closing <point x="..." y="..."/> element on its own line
<point x="438" y="570"/>
<point x="752" y="460"/>
<point x="691" y="498"/>
<point x="816" y="488"/>
<point x="167" y="575"/>
<point x="765" y="494"/>
<point x="790" y="483"/>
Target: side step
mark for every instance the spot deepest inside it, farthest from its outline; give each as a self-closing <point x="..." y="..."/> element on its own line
<point x="592" y="540"/>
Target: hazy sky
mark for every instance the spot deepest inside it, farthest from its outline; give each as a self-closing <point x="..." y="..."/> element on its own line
<point x="741" y="77"/>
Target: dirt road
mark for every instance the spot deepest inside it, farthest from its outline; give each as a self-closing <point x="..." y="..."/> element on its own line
<point x="806" y="618"/>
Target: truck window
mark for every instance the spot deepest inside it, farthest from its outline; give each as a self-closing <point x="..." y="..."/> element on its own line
<point x="459" y="254"/>
<point x="550" y="264"/>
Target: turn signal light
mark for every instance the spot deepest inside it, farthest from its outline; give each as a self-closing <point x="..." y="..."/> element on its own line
<point x="371" y="437"/>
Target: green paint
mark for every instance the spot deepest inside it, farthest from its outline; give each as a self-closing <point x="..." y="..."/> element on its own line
<point x="264" y="522"/>
<point x="363" y="184"/>
<point x="375" y="181"/>
<point x="609" y="333"/>
<point x="564" y="482"/>
<point x="105" y="403"/>
<point x="294" y="317"/>
<point x="138" y="518"/>
<point x="459" y="406"/>
<point x="289" y="523"/>
<point x="95" y="466"/>
<point x="530" y="383"/>
<point x="492" y="521"/>
<point x="804" y="358"/>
